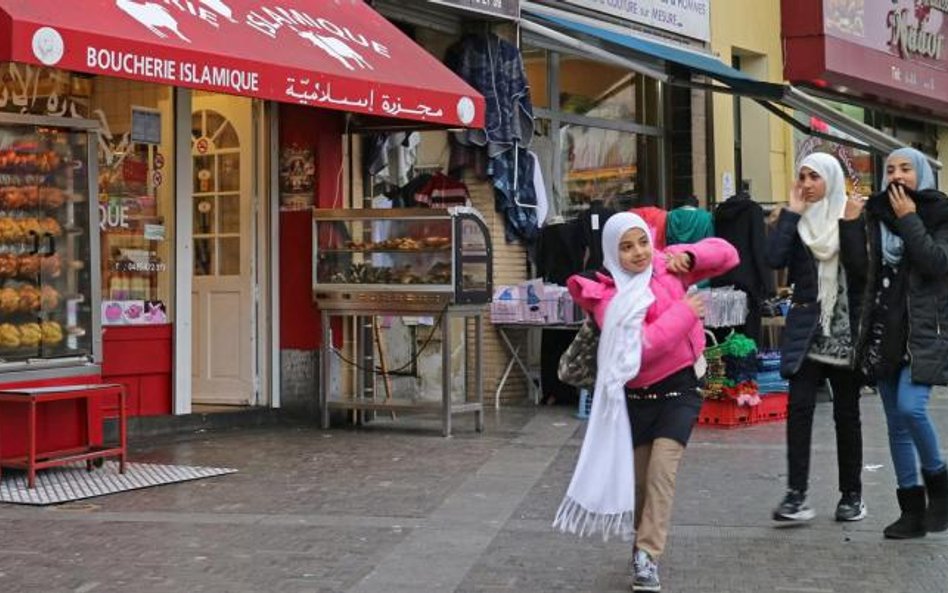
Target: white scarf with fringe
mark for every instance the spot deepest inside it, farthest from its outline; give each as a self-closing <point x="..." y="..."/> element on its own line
<point x="819" y="230"/>
<point x="601" y="495"/>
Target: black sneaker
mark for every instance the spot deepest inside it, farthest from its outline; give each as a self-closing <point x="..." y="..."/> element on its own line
<point x="793" y="508"/>
<point x="851" y="507"/>
<point x="645" y="573"/>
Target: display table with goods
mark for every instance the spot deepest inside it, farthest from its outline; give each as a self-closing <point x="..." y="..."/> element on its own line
<point x="49" y="299"/>
<point x="732" y="393"/>
<point x="527" y="308"/>
<point x="369" y="263"/>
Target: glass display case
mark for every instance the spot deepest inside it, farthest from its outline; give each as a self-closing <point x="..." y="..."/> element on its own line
<point x="416" y="258"/>
<point x="48" y="284"/>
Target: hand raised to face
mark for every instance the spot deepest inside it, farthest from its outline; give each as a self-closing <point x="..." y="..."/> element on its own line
<point x="902" y="204"/>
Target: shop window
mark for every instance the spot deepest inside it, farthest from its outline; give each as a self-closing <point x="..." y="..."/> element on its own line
<point x="600" y="90"/>
<point x="536" y="63"/>
<point x="136" y="195"/>
<point x="598" y="137"/>
<point x="602" y="164"/>
<point x="33" y="90"/>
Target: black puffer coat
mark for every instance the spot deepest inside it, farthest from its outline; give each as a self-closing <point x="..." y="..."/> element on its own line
<point x="785" y="249"/>
<point x="925" y="255"/>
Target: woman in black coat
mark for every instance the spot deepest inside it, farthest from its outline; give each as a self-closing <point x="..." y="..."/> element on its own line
<point x="903" y="346"/>
<point x="819" y="337"/>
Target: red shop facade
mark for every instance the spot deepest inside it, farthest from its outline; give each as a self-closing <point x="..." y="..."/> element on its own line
<point x="164" y="155"/>
<point x="882" y="61"/>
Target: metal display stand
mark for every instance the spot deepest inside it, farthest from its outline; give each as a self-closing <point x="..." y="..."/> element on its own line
<point x="520" y="360"/>
<point x="447" y="408"/>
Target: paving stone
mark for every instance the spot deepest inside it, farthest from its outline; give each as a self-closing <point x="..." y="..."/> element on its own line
<point x="394" y="507"/>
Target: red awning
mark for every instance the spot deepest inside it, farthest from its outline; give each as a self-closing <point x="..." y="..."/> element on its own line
<point x="338" y="54"/>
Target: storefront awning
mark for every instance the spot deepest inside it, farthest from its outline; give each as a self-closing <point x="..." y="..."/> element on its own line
<point x="338" y="55"/>
<point x="640" y="55"/>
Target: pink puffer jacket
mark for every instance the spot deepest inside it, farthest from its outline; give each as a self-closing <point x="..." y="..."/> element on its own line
<point x="674" y="335"/>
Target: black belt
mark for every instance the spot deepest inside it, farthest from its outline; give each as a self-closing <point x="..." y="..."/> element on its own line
<point x="674" y="385"/>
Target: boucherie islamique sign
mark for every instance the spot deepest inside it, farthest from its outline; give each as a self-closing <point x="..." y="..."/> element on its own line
<point x="338" y="54"/>
<point x="895" y="49"/>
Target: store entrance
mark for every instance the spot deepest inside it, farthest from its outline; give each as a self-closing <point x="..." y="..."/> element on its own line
<point x="223" y="335"/>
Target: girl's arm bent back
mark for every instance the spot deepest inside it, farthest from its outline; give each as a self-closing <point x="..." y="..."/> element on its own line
<point x="712" y="257"/>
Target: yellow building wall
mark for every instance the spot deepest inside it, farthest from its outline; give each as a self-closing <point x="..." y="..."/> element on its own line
<point x="768" y="147"/>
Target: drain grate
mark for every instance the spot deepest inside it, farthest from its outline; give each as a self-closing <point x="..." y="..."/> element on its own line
<point x="73" y="482"/>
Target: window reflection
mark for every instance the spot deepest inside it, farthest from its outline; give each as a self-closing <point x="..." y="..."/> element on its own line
<point x="603" y="164"/>
<point x="595" y="89"/>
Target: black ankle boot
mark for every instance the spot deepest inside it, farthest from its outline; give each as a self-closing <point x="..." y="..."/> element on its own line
<point x="912" y="522"/>
<point x="936" y="517"/>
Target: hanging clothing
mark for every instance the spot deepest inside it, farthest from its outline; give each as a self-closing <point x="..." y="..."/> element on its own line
<point x="688" y="225"/>
<point x="591" y="222"/>
<point x="442" y="191"/>
<point x="495" y="69"/>
<point x="558" y="255"/>
<point x="512" y="189"/>
<point x="740" y="222"/>
<point x="656" y="218"/>
<point x="404" y="196"/>
<point x="392" y="157"/>
<point x="539" y="189"/>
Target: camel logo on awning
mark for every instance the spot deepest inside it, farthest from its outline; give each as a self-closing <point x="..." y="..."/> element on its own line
<point x="337" y="41"/>
<point x="338" y="49"/>
<point x="161" y="21"/>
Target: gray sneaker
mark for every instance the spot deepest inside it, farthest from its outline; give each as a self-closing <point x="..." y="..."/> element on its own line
<point x="793" y="508"/>
<point x="645" y="573"/>
<point x="851" y="507"/>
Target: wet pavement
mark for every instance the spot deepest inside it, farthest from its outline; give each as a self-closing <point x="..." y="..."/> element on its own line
<point x="393" y="507"/>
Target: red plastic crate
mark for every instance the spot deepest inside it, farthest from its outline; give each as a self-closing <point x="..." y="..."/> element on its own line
<point x="772" y="407"/>
<point x="725" y="414"/>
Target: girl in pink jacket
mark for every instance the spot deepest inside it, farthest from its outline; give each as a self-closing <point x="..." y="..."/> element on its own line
<point x="662" y="399"/>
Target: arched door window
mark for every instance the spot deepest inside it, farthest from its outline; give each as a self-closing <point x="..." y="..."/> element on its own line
<point x="215" y="148"/>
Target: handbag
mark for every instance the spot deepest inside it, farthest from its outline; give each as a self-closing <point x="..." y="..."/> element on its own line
<point x="577" y="365"/>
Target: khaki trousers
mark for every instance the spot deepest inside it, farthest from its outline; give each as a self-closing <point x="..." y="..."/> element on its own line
<point x="656" y="467"/>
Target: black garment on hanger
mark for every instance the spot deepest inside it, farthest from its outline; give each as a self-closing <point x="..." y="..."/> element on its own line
<point x="557" y="253"/>
<point x="591" y="222"/>
<point x="740" y="222"/>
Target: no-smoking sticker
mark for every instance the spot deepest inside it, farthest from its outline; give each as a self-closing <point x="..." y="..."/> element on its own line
<point x="202" y="145"/>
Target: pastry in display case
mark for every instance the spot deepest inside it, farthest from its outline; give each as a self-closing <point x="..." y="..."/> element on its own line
<point x="409" y="257"/>
<point x="46" y="284"/>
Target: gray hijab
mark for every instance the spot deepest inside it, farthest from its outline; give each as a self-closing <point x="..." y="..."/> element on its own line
<point x="892" y="246"/>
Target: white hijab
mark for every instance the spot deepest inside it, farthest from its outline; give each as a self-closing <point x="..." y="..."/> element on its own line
<point x="819" y="229"/>
<point x="601" y="495"/>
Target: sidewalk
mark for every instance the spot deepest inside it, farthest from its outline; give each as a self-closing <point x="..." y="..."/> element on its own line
<point x="395" y="508"/>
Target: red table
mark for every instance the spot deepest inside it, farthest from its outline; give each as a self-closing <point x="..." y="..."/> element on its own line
<point x="35" y="396"/>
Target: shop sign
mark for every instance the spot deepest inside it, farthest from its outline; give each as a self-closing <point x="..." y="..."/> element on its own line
<point x="689" y="18"/>
<point x="911" y="32"/>
<point x="340" y="55"/>
<point x="501" y="8"/>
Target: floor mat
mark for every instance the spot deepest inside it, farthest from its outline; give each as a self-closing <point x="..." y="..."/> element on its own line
<point x="73" y="482"/>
